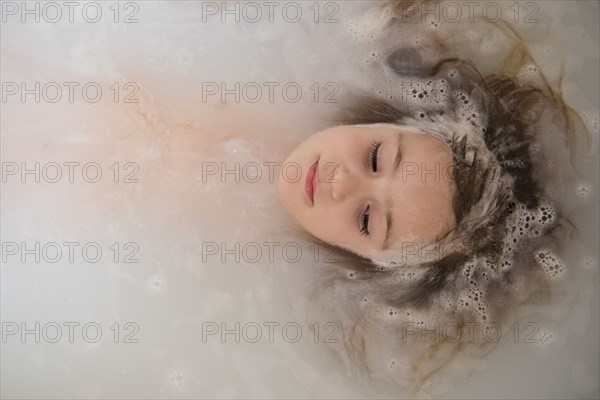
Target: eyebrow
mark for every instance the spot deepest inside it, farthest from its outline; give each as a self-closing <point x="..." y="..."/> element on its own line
<point x="388" y="215"/>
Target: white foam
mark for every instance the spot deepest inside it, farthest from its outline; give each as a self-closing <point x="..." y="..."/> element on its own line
<point x="170" y="134"/>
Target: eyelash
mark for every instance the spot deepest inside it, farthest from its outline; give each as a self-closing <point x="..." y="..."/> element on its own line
<point x="373" y="155"/>
<point x="364" y="222"/>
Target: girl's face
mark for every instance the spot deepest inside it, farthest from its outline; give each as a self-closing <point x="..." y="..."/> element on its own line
<point x="368" y="188"/>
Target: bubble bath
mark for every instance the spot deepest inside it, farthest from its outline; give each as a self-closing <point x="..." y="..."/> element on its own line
<point x="139" y="203"/>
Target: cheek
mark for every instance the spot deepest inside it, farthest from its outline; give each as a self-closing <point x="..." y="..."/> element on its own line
<point x="330" y="224"/>
<point x="342" y="148"/>
<point x="317" y="226"/>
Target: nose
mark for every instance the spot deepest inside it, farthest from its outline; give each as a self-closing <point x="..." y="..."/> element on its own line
<point x="344" y="184"/>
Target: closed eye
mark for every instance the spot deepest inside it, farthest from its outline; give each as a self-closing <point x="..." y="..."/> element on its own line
<point x="373" y="155"/>
<point x="364" y="222"/>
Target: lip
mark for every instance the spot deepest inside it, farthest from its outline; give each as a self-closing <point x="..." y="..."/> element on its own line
<point x="309" y="182"/>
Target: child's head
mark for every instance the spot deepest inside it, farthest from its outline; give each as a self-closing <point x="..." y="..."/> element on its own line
<point x="473" y="227"/>
<point x="375" y="187"/>
<point x="466" y="241"/>
<point x="390" y="179"/>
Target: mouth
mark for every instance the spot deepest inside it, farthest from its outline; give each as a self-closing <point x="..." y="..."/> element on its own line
<point x="309" y="183"/>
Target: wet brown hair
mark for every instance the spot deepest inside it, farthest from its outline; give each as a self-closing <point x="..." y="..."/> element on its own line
<point x="513" y="108"/>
